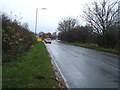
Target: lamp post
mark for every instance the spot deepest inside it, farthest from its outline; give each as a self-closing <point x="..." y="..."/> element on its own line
<point x="36" y="17"/>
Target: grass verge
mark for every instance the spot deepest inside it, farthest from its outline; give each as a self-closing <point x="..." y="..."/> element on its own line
<point x="34" y="70"/>
<point x="94" y="46"/>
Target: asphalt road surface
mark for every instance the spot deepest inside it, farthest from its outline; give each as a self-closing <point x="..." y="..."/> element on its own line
<point x="85" y="68"/>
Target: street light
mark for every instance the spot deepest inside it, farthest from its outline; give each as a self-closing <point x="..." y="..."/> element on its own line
<point x="36" y="17"/>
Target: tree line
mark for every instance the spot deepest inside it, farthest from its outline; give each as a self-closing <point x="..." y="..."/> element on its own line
<point x="102" y="26"/>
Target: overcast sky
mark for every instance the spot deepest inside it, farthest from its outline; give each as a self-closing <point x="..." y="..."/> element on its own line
<point x="47" y="19"/>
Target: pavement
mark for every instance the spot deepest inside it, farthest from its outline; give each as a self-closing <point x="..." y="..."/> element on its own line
<point x="85" y="68"/>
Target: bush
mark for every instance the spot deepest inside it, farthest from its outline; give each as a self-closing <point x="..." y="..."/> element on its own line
<point x="15" y="38"/>
<point x="108" y="39"/>
<point x="77" y="34"/>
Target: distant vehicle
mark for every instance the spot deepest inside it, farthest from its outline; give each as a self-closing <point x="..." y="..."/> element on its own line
<point x="47" y="40"/>
<point x="58" y="40"/>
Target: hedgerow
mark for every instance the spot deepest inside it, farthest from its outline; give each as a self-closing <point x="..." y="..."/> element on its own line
<point x="15" y="38"/>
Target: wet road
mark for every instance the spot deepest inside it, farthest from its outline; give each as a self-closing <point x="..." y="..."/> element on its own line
<point x="85" y="68"/>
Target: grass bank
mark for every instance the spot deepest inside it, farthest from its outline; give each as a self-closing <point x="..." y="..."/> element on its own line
<point x="94" y="46"/>
<point x="34" y="70"/>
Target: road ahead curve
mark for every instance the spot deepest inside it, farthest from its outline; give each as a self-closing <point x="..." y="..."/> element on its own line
<point x="85" y="68"/>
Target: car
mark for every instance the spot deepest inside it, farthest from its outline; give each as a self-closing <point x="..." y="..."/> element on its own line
<point x="47" y="40"/>
<point x="58" y="40"/>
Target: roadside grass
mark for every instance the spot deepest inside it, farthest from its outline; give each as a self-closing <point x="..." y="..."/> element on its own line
<point x="34" y="70"/>
<point x="94" y="46"/>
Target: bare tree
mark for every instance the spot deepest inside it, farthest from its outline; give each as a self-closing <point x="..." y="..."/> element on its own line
<point x="101" y="16"/>
<point x="67" y="24"/>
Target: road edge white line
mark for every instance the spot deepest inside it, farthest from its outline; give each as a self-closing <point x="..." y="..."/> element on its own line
<point x="53" y="60"/>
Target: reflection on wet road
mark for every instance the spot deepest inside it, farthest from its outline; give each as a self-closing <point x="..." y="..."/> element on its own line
<point x="85" y="68"/>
